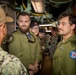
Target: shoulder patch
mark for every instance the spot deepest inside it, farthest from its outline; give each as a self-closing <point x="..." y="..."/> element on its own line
<point x="73" y="54"/>
<point x="10" y="39"/>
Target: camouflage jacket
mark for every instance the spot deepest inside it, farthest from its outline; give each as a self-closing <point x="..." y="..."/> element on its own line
<point x="10" y="65"/>
<point x="53" y="46"/>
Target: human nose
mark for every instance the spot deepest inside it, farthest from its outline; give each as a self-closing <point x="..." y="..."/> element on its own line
<point x="24" y="23"/>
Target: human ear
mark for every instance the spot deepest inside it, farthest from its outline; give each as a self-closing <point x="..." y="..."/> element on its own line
<point x="2" y="29"/>
<point x="73" y="26"/>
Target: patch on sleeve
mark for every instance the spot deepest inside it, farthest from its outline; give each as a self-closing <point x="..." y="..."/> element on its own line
<point x="73" y="54"/>
<point x="10" y="39"/>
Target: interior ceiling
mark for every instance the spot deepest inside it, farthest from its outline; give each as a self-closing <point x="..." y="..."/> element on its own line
<point x="55" y="11"/>
<point x="59" y="6"/>
<point x="55" y="7"/>
<point x="60" y="1"/>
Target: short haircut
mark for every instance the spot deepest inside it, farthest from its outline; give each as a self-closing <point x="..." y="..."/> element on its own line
<point x="41" y="30"/>
<point x="72" y="17"/>
<point x="54" y="29"/>
<point x="23" y="14"/>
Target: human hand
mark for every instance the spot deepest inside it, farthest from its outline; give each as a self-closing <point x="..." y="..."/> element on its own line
<point x="31" y="67"/>
<point x="31" y="72"/>
<point x="35" y="69"/>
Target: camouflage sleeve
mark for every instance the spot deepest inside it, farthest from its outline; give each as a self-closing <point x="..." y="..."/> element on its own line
<point x="53" y="46"/>
<point x="10" y="65"/>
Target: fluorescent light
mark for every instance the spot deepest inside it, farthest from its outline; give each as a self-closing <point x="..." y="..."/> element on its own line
<point x="45" y="25"/>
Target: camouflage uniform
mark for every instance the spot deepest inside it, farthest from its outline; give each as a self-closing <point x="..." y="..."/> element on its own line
<point x="10" y="65"/>
<point x="54" y="42"/>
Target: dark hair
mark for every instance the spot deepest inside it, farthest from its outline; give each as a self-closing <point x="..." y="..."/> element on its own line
<point x="34" y="23"/>
<point x="72" y="17"/>
<point x="41" y="30"/>
<point x="54" y="29"/>
<point x="23" y="14"/>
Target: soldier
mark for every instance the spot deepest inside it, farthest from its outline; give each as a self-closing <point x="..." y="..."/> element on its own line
<point x="24" y="45"/>
<point x="64" y="59"/>
<point x="9" y="64"/>
<point x="42" y="38"/>
<point x="55" y="38"/>
<point x="34" y="28"/>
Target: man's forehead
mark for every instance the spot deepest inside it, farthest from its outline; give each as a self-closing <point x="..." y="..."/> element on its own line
<point x="64" y="18"/>
<point x="21" y="16"/>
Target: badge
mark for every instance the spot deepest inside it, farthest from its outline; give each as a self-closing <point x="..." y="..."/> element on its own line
<point x="61" y="48"/>
<point x="73" y="54"/>
<point x="10" y="39"/>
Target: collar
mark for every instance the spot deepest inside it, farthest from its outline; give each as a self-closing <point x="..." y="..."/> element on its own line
<point x="71" y="38"/>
